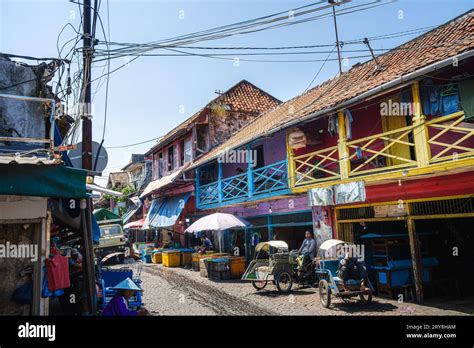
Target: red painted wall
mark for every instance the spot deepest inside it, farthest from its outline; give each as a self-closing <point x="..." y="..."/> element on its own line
<point x="449" y="185"/>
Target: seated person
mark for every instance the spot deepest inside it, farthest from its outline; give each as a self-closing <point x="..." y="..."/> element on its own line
<point x="306" y="250"/>
<point x="206" y="244"/>
<point x="118" y="305"/>
<point x="352" y="268"/>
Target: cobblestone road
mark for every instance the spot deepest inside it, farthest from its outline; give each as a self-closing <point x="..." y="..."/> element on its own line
<point x="179" y="291"/>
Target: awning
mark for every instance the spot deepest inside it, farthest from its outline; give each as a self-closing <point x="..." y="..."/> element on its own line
<point x="42" y="181"/>
<point x="164" y="181"/>
<point x="165" y="211"/>
<point x="103" y="215"/>
<point x="134" y="224"/>
<point x="128" y="215"/>
<point x="94" y="187"/>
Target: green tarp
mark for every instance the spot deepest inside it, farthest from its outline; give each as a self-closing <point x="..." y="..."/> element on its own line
<point x="42" y="181"/>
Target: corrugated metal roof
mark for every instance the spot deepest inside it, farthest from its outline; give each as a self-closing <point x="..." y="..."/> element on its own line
<point x="29" y="160"/>
<point x="163" y="182"/>
<point x="446" y="41"/>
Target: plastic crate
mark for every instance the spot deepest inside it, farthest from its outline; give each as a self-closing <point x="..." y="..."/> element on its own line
<point x="171" y="259"/>
<point x="219" y="275"/>
<point x="186" y="258"/>
<point x="204" y="267"/>
<point x="237" y="267"/>
<point x="157" y="257"/>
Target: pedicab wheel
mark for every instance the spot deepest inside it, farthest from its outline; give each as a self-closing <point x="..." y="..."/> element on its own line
<point x="366" y="298"/>
<point x="259" y="284"/>
<point x="324" y="293"/>
<point x="284" y="282"/>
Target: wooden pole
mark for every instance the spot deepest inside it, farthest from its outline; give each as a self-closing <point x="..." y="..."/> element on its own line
<point x="415" y="258"/>
<point x="219" y="180"/>
<point x="420" y="132"/>
<point x="249" y="170"/>
<point x="344" y="163"/>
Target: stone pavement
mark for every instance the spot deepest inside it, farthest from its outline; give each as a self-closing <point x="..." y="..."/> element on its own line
<point x="179" y="291"/>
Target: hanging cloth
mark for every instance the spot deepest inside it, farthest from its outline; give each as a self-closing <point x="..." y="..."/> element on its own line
<point x="430" y="98"/>
<point x="359" y="152"/>
<point x="449" y="100"/>
<point x="58" y="271"/>
<point x="348" y="122"/>
<point x="466" y="92"/>
<point x="333" y="126"/>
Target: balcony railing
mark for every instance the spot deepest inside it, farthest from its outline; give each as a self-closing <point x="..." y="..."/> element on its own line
<point x="453" y="146"/>
<point x="251" y="185"/>
<point x="447" y="138"/>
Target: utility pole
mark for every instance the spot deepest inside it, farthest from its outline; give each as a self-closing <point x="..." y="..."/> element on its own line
<point x="86" y="115"/>
<point x="86" y="107"/>
<point x="337" y="36"/>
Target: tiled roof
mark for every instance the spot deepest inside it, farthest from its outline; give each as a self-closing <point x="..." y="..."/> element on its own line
<point x="440" y="43"/>
<point x="242" y="97"/>
<point x="116" y="179"/>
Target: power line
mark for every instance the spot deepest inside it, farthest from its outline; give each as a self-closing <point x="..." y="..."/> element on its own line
<point x="135" y="144"/>
<point x="143" y="48"/>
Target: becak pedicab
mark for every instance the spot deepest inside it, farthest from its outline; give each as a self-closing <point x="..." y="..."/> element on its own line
<point x="274" y="263"/>
<point x="344" y="278"/>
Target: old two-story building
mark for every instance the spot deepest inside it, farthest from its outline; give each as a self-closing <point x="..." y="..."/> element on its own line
<point x="381" y="156"/>
<point x="170" y="196"/>
<point x="43" y="201"/>
<point x="138" y="170"/>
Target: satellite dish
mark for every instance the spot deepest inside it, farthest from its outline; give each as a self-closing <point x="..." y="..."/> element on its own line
<point x="76" y="156"/>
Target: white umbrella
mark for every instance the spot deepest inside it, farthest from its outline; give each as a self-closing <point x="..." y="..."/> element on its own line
<point x="217" y="222"/>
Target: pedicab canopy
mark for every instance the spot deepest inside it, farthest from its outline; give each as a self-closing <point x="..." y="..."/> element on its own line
<point x="277" y="244"/>
<point x="42" y="181"/>
<point x="328" y="245"/>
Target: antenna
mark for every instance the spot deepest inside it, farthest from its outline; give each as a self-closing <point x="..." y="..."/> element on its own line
<point x="378" y="67"/>
<point x="337" y="36"/>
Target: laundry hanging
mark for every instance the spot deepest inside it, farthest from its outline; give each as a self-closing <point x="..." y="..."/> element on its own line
<point x="58" y="271"/>
<point x="449" y="100"/>
<point x="348" y="123"/>
<point x="333" y="126"/>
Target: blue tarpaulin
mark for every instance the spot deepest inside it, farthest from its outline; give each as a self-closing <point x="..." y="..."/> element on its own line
<point x="57" y="142"/>
<point x="128" y="215"/>
<point x="165" y="211"/>
<point x="95" y="231"/>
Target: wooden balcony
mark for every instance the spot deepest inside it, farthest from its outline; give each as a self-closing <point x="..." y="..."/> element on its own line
<point x="426" y="147"/>
<point x="255" y="184"/>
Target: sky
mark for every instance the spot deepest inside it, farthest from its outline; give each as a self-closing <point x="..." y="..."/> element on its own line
<point x="151" y="95"/>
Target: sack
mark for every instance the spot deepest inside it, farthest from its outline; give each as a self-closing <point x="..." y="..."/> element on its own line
<point x="58" y="272"/>
<point x="23" y="294"/>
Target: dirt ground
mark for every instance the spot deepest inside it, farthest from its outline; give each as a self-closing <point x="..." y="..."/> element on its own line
<point x="179" y="291"/>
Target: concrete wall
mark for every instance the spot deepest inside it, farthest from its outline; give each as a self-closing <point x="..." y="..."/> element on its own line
<point x="21" y="118"/>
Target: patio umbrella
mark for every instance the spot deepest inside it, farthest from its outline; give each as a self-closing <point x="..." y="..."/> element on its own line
<point x="217" y="222"/>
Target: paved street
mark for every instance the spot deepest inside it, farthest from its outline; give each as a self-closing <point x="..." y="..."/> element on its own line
<point x="178" y="291"/>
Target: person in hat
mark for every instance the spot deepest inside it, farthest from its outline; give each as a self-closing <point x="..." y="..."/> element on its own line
<point x="118" y="305"/>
